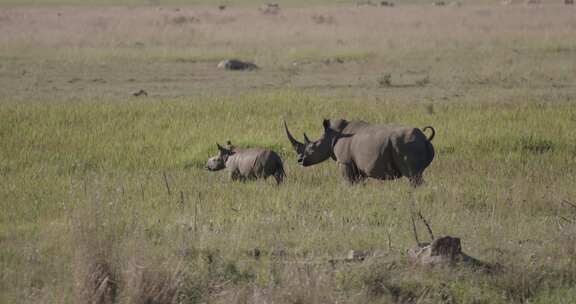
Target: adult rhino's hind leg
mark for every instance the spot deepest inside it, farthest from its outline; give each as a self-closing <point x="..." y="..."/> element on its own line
<point x="279" y="177"/>
<point x="416" y="180"/>
<point x="411" y="165"/>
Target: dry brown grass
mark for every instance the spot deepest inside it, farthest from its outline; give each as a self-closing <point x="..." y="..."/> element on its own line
<point x="96" y="274"/>
<point x="243" y="30"/>
<point x="96" y="283"/>
<point x="295" y="282"/>
<point x="151" y="286"/>
<point x="441" y="52"/>
<point x="115" y="267"/>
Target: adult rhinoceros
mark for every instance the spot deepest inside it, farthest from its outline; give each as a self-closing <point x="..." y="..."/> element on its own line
<point x="365" y="150"/>
<point x="246" y="164"/>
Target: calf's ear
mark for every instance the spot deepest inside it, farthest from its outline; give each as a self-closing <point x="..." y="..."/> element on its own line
<point x="220" y="148"/>
<point x="326" y="124"/>
<point x="225" y="151"/>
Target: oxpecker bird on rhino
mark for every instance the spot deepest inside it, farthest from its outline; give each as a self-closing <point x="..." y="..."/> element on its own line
<point x="365" y="150"/>
<point x="245" y="164"/>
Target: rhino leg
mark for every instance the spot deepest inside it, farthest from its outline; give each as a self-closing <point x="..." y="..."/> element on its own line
<point x="279" y="177"/>
<point x="277" y="169"/>
<point x="235" y="175"/>
<point x="409" y="164"/>
<point x="416" y="180"/>
<point x="351" y="173"/>
<point x="414" y="176"/>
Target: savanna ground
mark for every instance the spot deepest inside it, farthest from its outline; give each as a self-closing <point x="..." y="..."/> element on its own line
<point x="104" y="198"/>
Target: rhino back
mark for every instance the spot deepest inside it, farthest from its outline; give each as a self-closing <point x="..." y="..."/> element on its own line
<point x="373" y="150"/>
<point x="348" y="127"/>
<point x="254" y="162"/>
<point x="384" y="151"/>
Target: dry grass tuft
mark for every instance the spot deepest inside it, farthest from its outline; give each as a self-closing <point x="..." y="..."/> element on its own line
<point x="295" y="282"/>
<point x="151" y="286"/>
<point x="111" y="267"/>
<point x="95" y="281"/>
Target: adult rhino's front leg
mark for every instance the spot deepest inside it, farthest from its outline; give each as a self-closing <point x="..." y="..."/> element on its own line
<point x="416" y="180"/>
<point x="236" y="176"/>
<point x="351" y="173"/>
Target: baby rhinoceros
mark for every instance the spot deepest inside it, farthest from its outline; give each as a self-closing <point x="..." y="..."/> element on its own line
<point x="244" y="164"/>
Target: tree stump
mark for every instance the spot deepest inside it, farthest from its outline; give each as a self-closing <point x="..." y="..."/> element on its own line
<point x="444" y="250"/>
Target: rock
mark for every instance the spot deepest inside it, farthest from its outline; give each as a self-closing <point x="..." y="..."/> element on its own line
<point x="140" y="93"/>
<point x="357" y="255"/>
<point x="352" y="256"/>
<point x="236" y="65"/>
<point x="365" y="3"/>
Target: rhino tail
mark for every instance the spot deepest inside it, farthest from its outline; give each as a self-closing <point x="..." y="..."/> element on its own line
<point x="430" y="150"/>
<point x="431" y="129"/>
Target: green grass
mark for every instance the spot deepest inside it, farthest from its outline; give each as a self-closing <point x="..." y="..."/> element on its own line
<point x="499" y="176"/>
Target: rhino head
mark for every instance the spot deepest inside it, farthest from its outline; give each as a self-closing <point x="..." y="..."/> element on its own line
<point x="313" y="152"/>
<point x="218" y="162"/>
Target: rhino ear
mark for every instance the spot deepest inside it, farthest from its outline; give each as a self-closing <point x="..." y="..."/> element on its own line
<point x="326" y="124"/>
<point x="224" y="150"/>
<point x="229" y="145"/>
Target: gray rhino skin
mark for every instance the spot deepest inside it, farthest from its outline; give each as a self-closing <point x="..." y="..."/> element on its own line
<point x="245" y="164"/>
<point x="364" y="150"/>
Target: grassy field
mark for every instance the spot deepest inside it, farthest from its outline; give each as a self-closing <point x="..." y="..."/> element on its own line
<point x="104" y="198"/>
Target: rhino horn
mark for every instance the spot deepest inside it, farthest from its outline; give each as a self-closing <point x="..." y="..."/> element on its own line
<point x="306" y="139"/>
<point x="298" y="146"/>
